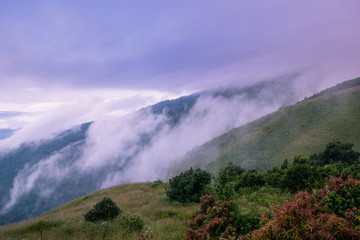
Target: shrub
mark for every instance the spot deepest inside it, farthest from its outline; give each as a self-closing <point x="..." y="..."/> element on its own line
<point x="188" y="186"/>
<point x="224" y="184"/>
<point x="301" y="175"/>
<point x="329" y="213"/>
<point x="131" y="223"/>
<point x="250" y="178"/>
<point x="229" y="173"/>
<point x="104" y="210"/>
<point x="215" y="220"/>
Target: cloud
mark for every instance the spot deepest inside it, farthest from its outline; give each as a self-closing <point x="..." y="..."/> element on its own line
<point x="140" y="146"/>
<point x="45" y="176"/>
<point x="174" y="45"/>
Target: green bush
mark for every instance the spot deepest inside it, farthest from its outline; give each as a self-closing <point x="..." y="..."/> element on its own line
<point x="104" y="210"/>
<point x="250" y="178"/>
<point x="229" y="173"/>
<point x="224" y="184"/>
<point x="188" y="186"/>
<point x="301" y="175"/>
<point x="131" y="223"/>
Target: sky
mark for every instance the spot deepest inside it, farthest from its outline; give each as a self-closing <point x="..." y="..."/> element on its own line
<point x="113" y="57"/>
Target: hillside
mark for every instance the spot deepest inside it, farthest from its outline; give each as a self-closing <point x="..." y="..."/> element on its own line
<point x="148" y="200"/>
<point x="303" y="128"/>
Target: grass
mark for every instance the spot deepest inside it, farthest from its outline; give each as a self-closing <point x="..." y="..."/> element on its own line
<point x="304" y="128"/>
<point x="166" y="220"/>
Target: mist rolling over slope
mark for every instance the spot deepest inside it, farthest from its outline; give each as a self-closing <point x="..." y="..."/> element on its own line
<point x="141" y="146"/>
<point x="303" y="128"/>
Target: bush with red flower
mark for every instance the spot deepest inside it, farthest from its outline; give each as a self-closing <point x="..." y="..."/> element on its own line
<point x="332" y="212"/>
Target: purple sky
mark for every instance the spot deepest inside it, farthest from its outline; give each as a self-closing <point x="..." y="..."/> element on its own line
<point x="53" y="50"/>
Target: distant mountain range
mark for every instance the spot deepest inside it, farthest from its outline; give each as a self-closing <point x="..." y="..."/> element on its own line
<point x="303" y="128"/>
<point x="142" y="146"/>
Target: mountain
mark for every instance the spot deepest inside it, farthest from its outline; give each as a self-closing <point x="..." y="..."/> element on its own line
<point x="40" y="175"/>
<point x="303" y="128"/>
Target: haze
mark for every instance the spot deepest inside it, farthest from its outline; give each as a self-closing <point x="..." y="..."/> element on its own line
<point x="122" y="55"/>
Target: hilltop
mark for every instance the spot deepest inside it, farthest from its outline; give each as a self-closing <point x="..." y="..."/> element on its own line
<point x="303" y="128"/>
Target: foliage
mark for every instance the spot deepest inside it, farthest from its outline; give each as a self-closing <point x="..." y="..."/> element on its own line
<point x="131" y="223"/>
<point x="329" y="213"/>
<point x="224" y="184"/>
<point x="104" y="210"/>
<point x="301" y="175"/>
<point x="220" y="219"/>
<point x="250" y="178"/>
<point x="216" y="219"/>
<point x="188" y="186"/>
<point x="337" y="152"/>
<point x="229" y="173"/>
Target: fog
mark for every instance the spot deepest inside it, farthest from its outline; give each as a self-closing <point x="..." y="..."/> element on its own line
<point x="140" y="146"/>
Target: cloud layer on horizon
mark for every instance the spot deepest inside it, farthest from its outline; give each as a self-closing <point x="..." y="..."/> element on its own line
<point x="173" y="45"/>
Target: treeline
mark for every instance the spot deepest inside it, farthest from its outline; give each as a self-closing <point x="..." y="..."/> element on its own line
<point x="331" y="192"/>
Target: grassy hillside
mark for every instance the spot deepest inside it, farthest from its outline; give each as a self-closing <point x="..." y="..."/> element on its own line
<point x="166" y="220"/>
<point x="303" y="128"/>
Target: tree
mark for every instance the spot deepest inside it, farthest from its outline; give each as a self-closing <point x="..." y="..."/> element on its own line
<point x="251" y="178"/>
<point x="188" y="186"/>
<point x="104" y="210"/>
<point x="336" y="152"/>
<point x="339" y="152"/>
<point x="224" y="184"/>
<point x="229" y="173"/>
<point x="301" y="175"/>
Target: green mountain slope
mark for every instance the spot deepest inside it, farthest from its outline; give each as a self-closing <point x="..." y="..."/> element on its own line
<point x="303" y="128"/>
